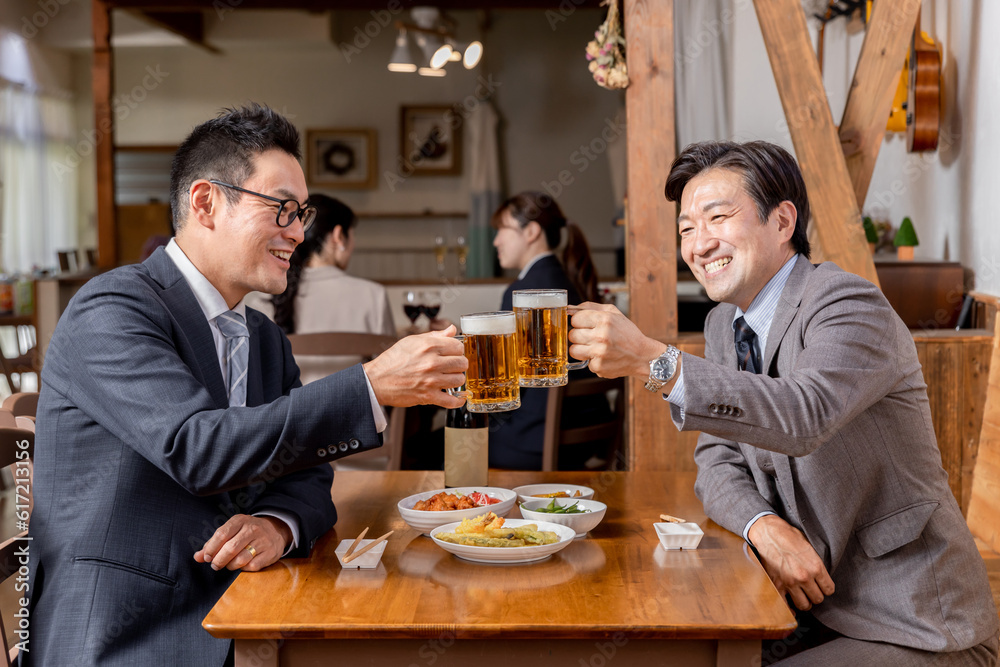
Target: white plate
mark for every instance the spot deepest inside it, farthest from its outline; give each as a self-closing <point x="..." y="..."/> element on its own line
<point x="582" y="522"/>
<point x="507" y="554"/>
<point x="528" y="492"/>
<point x="425" y="521"/>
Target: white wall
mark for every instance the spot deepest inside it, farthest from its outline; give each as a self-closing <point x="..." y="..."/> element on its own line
<point x="947" y="193"/>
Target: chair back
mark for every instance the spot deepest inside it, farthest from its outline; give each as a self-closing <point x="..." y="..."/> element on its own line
<point x="22" y="404"/>
<point x="10" y="564"/>
<point x="983" y="515"/>
<point x="610" y="431"/>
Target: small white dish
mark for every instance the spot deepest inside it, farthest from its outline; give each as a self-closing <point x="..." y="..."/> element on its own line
<point x="679" y="535"/>
<point x="582" y="522"/>
<point x="507" y="554"/>
<point x="425" y="521"/>
<point x="366" y="561"/>
<point x="533" y="491"/>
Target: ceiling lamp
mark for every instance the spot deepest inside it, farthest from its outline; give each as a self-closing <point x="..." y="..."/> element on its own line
<point x="430" y="71"/>
<point x="441" y="56"/>
<point x="402" y="57"/>
<point x="473" y="54"/>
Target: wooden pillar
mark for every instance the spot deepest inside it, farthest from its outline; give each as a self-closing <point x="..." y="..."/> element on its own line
<point x="835" y="212"/>
<point x="103" y="84"/>
<point x="651" y="250"/>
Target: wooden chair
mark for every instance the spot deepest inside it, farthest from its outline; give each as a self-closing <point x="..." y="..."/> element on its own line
<point x="338" y="343"/>
<point x="557" y="437"/>
<point x="22" y="404"/>
<point x="983" y="515"/>
<point x="12" y="441"/>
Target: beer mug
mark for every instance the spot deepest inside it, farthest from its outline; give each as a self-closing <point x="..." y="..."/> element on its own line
<point x="491" y="383"/>
<point x="543" y="337"/>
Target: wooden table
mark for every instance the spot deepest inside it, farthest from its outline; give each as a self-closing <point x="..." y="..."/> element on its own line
<point x="615" y="593"/>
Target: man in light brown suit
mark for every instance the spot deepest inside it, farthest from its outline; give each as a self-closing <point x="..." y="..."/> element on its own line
<point x="816" y="437"/>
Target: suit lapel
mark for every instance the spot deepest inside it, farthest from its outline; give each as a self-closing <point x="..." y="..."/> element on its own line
<point x="192" y="325"/>
<point x="788" y="305"/>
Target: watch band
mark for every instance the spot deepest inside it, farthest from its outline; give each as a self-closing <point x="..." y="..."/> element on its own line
<point x="654" y="384"/>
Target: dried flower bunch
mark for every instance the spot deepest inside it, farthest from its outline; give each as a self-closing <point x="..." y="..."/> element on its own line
<point x="606" y="52"/>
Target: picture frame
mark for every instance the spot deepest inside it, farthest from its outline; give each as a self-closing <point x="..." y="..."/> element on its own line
<point x="341" y="158"/>
<point x="430" y="140"/>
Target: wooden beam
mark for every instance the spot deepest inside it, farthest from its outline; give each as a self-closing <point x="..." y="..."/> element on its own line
<point x="104" y="153"/>
<point x="835" y="212"/>
<point x="190" y="25"/>
<point x="651" y="220"/>
<point x="875" y="78"/>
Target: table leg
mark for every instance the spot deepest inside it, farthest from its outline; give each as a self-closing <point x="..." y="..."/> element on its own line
<point x="257" y="652"/>
<point x="738" y="653"/>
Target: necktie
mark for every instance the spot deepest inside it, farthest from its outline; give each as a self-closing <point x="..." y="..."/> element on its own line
<point x="234" y="328"/>
<point x="746" y="354"/>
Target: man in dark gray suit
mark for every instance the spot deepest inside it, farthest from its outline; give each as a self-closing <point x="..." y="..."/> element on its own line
<point x="175" y="444"/>
<point x="816" y="438"/>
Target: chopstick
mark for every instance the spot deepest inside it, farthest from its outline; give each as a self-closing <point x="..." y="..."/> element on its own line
<point x="357" y="541"/>
<point x="348" y="558"/>
<point x="671" y="519"/>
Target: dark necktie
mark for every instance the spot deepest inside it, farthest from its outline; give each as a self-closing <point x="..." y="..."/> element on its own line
<point x="746" y="354"/>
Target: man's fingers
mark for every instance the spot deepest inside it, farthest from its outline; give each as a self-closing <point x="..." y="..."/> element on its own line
<point x="826" y="583"/>
<point x="223" y="534"/>
<point x="813" y="592"/>
<point x="799" y="599"/>
<point x="445" y="400"/>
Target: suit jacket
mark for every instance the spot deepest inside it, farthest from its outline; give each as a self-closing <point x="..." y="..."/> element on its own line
<point x="138" y="459"/>
<point x="837" y="439"/>
<point x="517" y="437"/>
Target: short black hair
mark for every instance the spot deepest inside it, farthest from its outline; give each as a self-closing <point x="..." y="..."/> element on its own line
<point x="224" y="149"/>
<point x="770" y="176"/>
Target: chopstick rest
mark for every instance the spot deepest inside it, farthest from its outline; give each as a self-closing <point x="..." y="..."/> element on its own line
<point x="351" y="555"/>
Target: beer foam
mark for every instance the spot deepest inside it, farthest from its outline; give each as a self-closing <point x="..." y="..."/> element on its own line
<point x="489" y="324"/>
<point x="539" y="299"/>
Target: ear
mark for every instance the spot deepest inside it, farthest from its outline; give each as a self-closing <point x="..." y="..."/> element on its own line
<point x="203" y="203"/>
<point x="337" y="237"/>
<point x="532" y="231"/>
<point x="785" y="216"/>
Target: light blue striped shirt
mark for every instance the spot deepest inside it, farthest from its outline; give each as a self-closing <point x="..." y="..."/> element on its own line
<point x="758" y="316"/>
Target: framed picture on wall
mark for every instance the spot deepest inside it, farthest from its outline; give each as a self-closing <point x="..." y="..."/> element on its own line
<point x="341" y="158"/>
<point x="430" y="140"/>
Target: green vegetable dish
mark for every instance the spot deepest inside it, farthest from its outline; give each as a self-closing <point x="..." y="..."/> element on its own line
<point x="553" y="508"/>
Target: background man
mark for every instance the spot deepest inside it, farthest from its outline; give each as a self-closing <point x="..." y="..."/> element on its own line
<point x="822" y="455"/>
<point x="175" y="444"/>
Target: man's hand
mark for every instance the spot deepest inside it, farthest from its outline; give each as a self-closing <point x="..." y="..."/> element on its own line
<point x="790" y="561"/>
<point x="227" y="548"/>
<point x="417" y="368"/>
<point x="614" y="345"/>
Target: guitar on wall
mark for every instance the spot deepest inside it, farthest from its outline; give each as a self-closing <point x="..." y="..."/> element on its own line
<point x="916" y="106"/>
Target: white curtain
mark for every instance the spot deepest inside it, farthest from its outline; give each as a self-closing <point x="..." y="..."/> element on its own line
<point x="38" y="179"/>
<point x="484" y="187"/>
<point x="702" y="43"/>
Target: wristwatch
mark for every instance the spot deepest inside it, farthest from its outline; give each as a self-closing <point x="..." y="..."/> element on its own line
<point x="662" y="369"/>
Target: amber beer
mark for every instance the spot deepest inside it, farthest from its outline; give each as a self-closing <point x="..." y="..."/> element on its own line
<point x="542" y="337"/>
<point x="492" y="380"/>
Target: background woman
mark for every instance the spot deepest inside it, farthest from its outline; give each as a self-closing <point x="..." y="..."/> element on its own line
<point x="529" y="230"/>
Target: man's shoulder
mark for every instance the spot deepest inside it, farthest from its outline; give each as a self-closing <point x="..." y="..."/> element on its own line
<point x="830" y="281"/>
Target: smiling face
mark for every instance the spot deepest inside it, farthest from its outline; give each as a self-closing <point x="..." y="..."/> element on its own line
<point x="249" y="250"/>
<point x="723" y="241"/>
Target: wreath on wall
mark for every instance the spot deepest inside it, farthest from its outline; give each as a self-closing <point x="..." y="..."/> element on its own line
<point x="339" y="159"/>
<point x="606" y="52"/>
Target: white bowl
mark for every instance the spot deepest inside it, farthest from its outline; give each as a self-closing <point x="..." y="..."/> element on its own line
<point x="582" y="523"/>
<point x="425" y="521"/>
<point x="529" y="491"/>
<point x="507" y="554"/>
<point x="679" y="535"/>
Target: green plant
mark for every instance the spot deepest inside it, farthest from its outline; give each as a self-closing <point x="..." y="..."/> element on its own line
<point x="870" y="232"/>
<point x="906" y="236"/>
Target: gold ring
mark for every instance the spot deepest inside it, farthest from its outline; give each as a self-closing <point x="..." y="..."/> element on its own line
<point x="253" y="552"/>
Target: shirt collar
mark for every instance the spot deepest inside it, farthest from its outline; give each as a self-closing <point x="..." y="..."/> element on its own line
<point x="761" y="310"/>
<point x="534" y="260"/>
<point x="208" y="297"/>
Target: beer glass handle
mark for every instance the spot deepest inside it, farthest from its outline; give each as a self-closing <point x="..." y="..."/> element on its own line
<point x="460" y="391"/>
<point x="577" y="365"/>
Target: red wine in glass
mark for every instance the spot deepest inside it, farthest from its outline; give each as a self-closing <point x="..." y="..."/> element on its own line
<point x="412" y="312"/>
<point x="431" y="311"/>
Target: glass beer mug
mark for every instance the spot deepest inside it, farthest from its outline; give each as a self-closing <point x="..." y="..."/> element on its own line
<point x="491" y="383"/>
<point x="543" y="337"/>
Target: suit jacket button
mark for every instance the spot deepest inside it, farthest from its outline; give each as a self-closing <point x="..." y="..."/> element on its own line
<point x="713" y="408"/>
<point x="737" y="412"/>
<point x="343" y="446"/>
<point x="354" y="443"/>
<point x="321" y="452"/>
<point x="332" y="449"/>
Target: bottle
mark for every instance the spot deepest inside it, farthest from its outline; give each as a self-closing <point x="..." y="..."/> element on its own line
<point x="466" y="448"/>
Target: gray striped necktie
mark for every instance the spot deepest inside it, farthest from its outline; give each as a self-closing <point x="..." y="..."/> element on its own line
<point x="234" y="328"/>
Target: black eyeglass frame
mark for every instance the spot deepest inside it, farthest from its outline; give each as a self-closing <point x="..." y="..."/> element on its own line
<point x="305" y="212"/>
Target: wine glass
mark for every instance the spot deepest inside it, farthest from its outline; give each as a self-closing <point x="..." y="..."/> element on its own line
<point x="462" y="252"/>
<point x="431" y="305"/>
<point x="440" y="252"/>
<point x="413" y="308"/>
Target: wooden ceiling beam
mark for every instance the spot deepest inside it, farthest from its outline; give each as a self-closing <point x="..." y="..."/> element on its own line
<point x="102" y="81"/>
<point x="876" y="76"/>
<point x="187" y="24"/>
<point x="836" y="214"/>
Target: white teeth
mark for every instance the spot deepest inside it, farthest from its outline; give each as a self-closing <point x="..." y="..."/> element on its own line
<point x="281" y="254"/>
<point x="717" y="264"/>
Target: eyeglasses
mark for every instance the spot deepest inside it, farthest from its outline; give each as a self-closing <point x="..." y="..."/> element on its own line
<point x="289" y="210"/>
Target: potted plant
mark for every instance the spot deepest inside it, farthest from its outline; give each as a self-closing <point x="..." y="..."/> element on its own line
<point x="905" y="241"/>
<point x="870" y="234"/>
